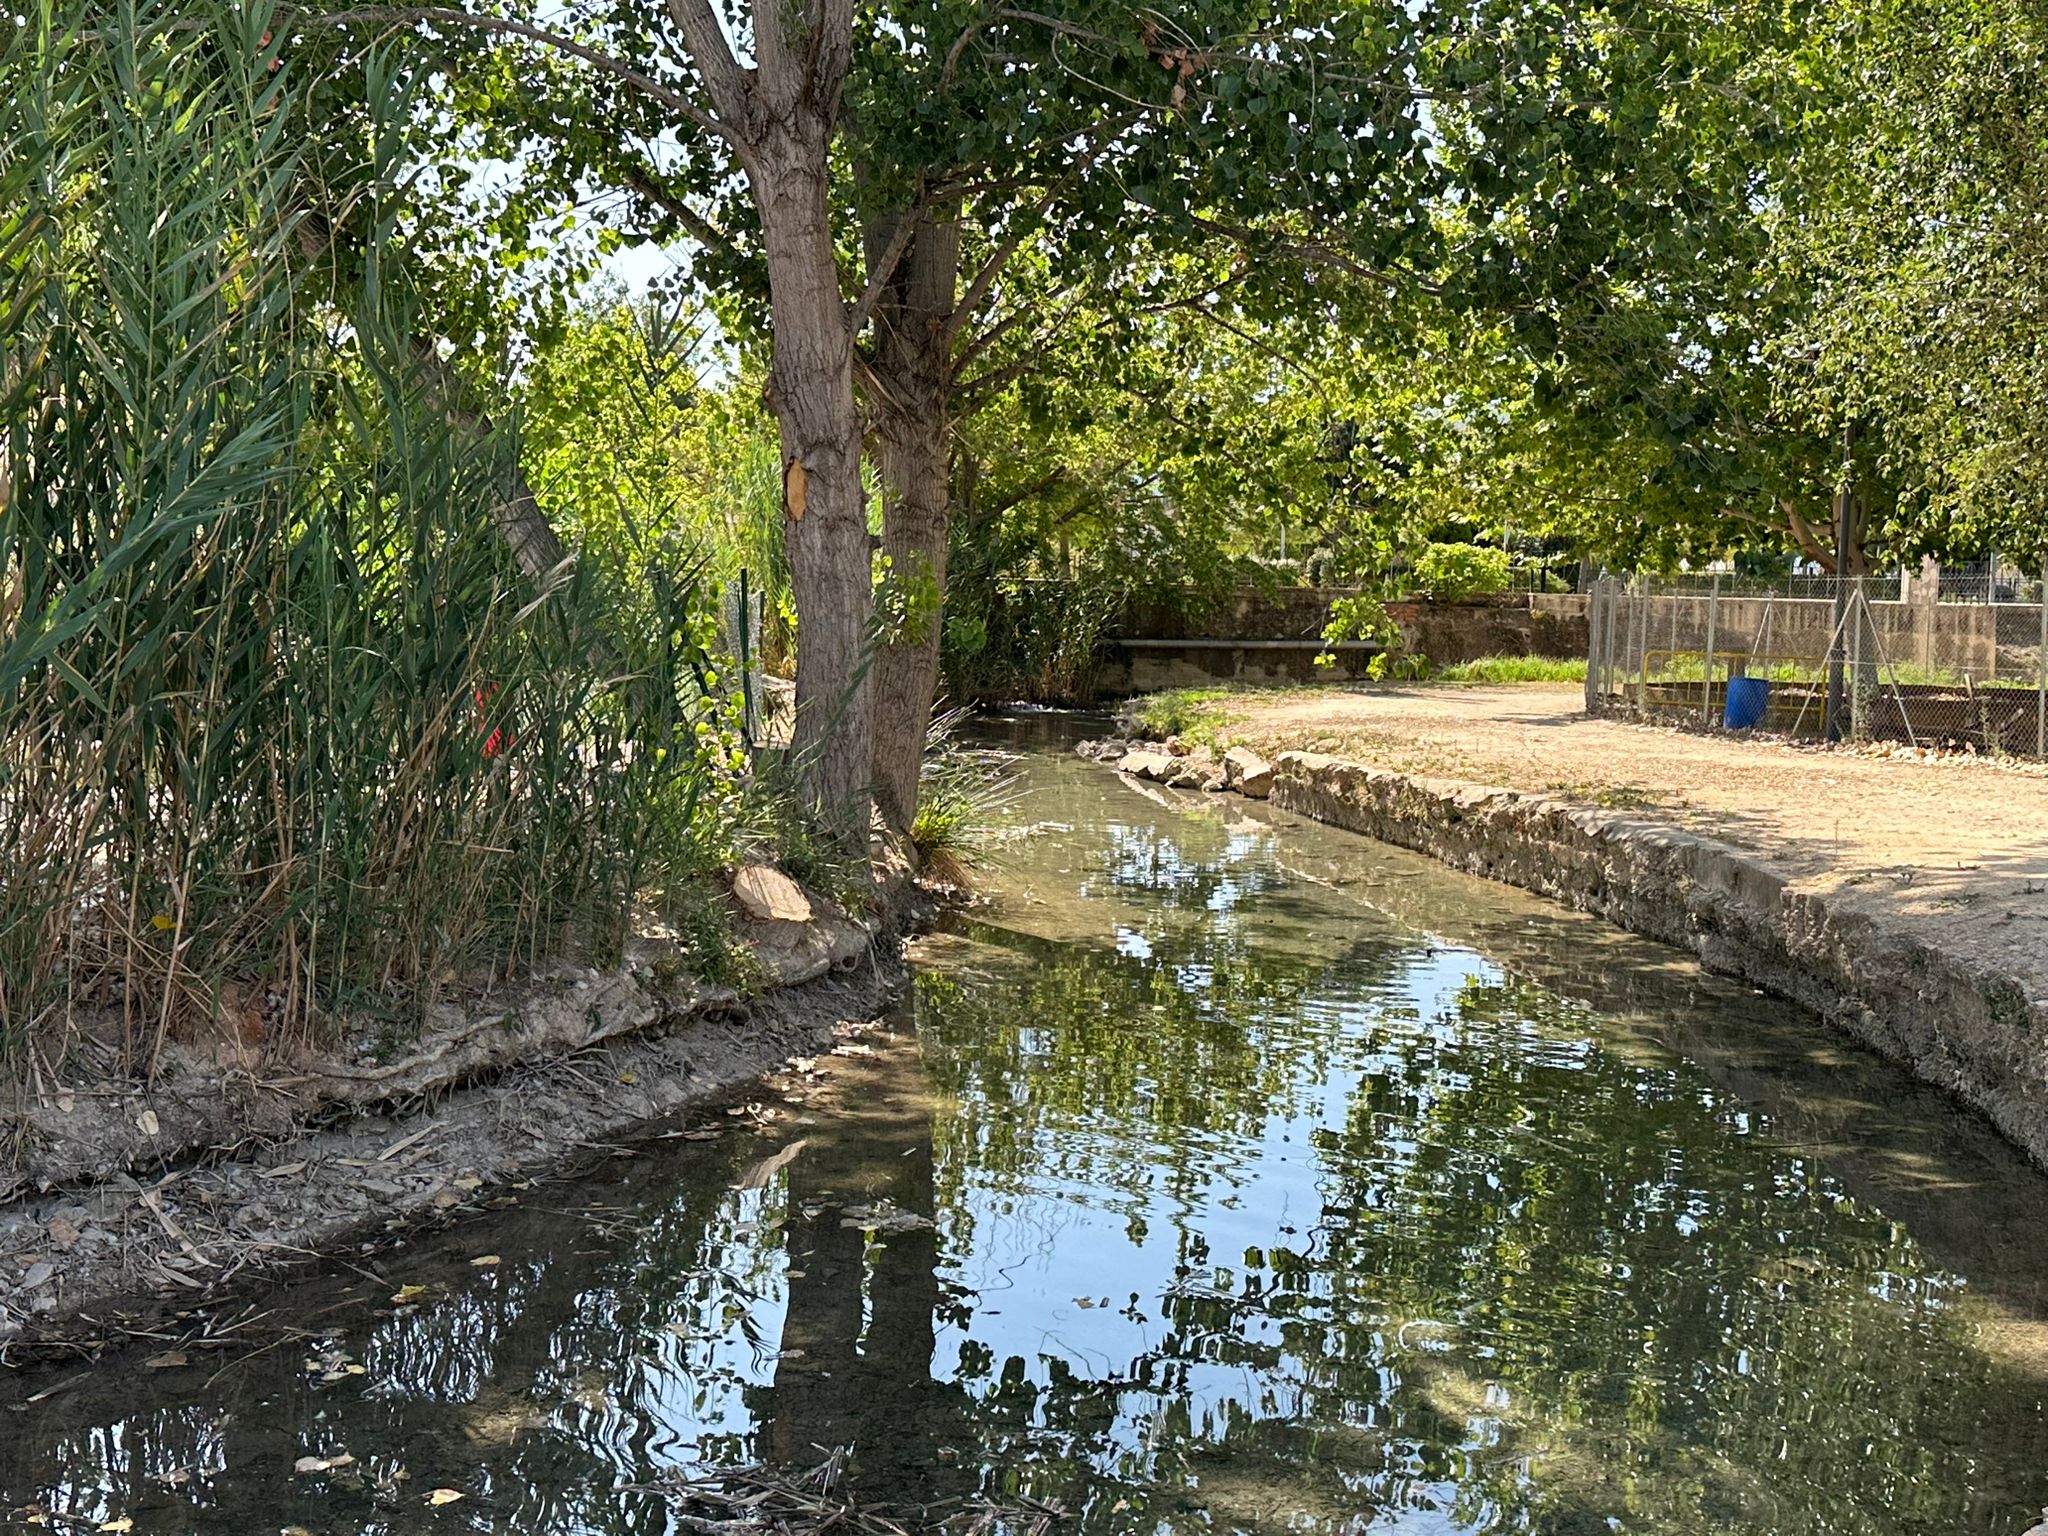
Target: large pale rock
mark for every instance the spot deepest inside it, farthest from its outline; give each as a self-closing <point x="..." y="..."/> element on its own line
<point x="1142" y="764"/>
<point x="768" y="895"/>
<point x="1248" y="773"/>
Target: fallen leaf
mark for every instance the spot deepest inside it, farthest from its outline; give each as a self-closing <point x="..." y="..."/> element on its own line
<point x="62" y="1232"/>
<point x="283" y="1171"/>
<point x="122" y="1524"/>
<point x="628" y="1079"/>
<point x="758" y="1176"/>
<point x="486" y="1261"/>
<point x="468" y="1181"/>
<point x="408" y="1294"/>
<point x="146" y="1122"/>
<point x="169" y="1360"/>
<point x="445" y="1496"/>
<point x="322" y="1463"/>
<point x="38" y="1274"/>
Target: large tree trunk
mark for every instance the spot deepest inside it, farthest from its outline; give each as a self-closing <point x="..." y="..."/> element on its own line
<point x="910" y="392"/>
<point x="825" y="527"/>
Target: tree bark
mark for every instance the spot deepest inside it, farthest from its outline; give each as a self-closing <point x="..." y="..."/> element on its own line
<point x="779" y="117"/>
<point x="824" y="509"/>
<point x="910" y="392"/>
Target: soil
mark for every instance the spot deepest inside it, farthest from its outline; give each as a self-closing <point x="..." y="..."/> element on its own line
<point x="1957" y="848"/>
<point x="136" y="1200"/>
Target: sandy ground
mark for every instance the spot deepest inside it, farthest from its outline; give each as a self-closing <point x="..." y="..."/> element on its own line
<point x="1957" y="848"/>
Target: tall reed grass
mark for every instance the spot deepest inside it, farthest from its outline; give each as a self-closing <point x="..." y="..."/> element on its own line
<point x="286" y="736"/>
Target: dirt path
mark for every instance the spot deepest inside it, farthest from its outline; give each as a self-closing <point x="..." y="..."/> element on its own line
<point x="1958" y="848"/>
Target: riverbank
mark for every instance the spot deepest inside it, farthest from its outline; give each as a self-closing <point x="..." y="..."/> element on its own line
<point x="1904" y="901"/>
<point x="134" y="1203"/>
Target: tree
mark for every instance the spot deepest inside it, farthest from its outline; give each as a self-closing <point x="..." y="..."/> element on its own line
<point x="969" y="135"/>
<point x="684" y="106"/>
<point x="1921" y="228"/>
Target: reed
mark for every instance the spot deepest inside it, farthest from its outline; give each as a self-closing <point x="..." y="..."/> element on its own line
<point x="286" y="736"/>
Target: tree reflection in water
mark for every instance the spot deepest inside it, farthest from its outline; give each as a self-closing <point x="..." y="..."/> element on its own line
<point x="1196" y="1188"/>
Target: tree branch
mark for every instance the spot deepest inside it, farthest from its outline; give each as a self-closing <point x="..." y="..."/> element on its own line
<point x="884" y="267"/>
<point x="597" y="58"/>
<point x="725" y="81"/>
<point x="642" y="178"/>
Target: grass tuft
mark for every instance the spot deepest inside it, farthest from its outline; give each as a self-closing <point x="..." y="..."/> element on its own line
<point x="962" y="799"/>
<point x="1513" y="669"/>
<point x="1193" y="714"/>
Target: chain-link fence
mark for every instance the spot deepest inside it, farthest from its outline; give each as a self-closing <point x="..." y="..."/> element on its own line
<point x="1870" y="659"/>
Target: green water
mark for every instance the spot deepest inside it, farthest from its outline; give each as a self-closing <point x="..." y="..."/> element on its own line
<point x="1225" y="1174"/>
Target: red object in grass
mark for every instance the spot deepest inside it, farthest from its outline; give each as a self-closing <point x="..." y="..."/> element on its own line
<point x="499" y="739"/>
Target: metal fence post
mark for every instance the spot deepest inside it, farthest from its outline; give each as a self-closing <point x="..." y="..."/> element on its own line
<point x="1642" y="648"/>
<point x="1859" y="615"/>
<point x="1593" y="648"/>
<point x="1713" y="619"/>
<point x="1605" y="639"/>
<point x="2041" y="671"/>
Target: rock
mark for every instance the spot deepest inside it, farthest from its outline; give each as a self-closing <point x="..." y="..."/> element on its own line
<point x="1142" y="764"/>
<point x="1216" y="783"/>
<point x="1189" y="776"/>
<point x="1175" y="747"/>
<point x="768" y="895"/>
<point x="1248" y="773"/>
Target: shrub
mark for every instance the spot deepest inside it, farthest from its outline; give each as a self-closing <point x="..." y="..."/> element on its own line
<point x="1451" y="573"/>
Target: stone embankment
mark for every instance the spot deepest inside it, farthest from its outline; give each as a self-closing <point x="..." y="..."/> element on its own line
<point x="1956" y="1020"/>
<point x="1182" y="765"/>
<point x="133" y="1199"/>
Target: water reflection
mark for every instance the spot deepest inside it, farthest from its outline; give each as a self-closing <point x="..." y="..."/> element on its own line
<point x="1210" y="1181"/>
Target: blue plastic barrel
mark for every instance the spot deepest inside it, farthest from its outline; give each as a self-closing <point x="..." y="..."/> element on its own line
<point x="1748" y="698"/>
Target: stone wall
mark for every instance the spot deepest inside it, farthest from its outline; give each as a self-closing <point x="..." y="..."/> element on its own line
<point x="1973" y="1032"/>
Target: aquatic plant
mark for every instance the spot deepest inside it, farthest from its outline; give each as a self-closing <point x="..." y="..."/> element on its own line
<point x="963" y="796"/>
<point x="287" y="728"/>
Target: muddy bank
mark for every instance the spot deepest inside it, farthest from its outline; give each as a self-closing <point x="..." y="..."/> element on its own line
<point x="134" y="1202"/>
<point x="1956" y="1022"/>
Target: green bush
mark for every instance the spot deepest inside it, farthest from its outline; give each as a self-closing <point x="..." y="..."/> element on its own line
<point x="1451" y="573"/>
<point x="1190" y="713"/>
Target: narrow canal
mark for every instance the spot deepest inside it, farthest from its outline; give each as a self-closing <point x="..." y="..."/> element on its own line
<point x="1224" y="1174"/>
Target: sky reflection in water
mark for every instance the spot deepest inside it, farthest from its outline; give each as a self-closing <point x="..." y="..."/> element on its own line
<point x="1212" y="1180"/>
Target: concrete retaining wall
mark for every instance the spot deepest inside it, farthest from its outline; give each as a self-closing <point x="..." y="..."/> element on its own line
<point x="1265" y="640"/>
<point x="1973" y="1032"/>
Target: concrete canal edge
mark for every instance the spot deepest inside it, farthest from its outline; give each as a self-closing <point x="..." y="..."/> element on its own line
<point x="1972" y="1031"/>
